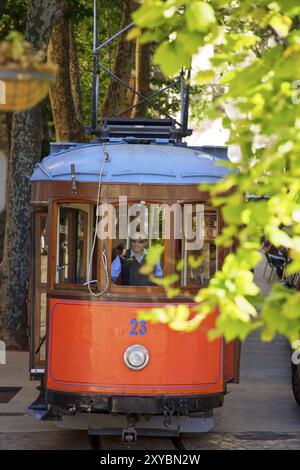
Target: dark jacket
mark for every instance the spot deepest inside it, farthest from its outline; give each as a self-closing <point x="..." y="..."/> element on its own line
<point x="131" y="276"/>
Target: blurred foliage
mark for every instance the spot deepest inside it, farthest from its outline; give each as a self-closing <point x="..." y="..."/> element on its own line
<point x="16" y="53"/>
<point x="109" y="22"/>
<point x="256" y="59"/>
<point x="13" y="18"/>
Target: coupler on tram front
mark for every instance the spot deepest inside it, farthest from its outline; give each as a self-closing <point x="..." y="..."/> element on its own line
<point x="101" y="367"/>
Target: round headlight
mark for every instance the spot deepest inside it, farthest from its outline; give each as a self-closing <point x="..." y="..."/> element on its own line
<point x="136" y="357"/>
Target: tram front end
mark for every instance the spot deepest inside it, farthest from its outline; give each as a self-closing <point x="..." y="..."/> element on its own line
<point x="102" y="367"/>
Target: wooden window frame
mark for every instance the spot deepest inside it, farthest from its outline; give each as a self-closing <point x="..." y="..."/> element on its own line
<point x="118" y="289"/>
<point x="170" y="253"/>
<point x="54" y="257"/>
<point x="194" y="288"/>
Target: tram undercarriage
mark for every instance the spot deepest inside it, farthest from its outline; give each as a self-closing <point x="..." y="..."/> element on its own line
<point x="129" y="417"/>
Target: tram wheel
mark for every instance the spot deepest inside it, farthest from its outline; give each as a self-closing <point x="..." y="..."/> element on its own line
<point x="296" y="383"/>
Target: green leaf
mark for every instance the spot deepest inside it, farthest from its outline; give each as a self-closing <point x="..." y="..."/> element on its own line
<point x="172" y="292"/>
<point x="149" y="15"/>
<point x="232" y="214"/>
<point x="165" y="281"/>
<point x="245" y="285"/>
<point x="154" y="253"/>
<point x="153" y="257"/>
<point x="133" y="33"/>
<point x="167" y="58"/>
<point x="245" y="306"/>
<point x="205" y="76"/>
<point x="152" y="36"/>
<point x="281" y="24"/>
<point x="187" y="326"/>
<point x="199" y="16"/>
<point x="245" y="41"/>
<point x="291" y="307"/>
<point x="293" y="267"/>
<point x="221" y="3"/>
<point x="278" y="237"/>
<point x="194" y="263"/>
<point x="227" y="77"/>
<point x="267" y="334"/>
<point x="182" y="313"/>
<point x="180" y="265"/>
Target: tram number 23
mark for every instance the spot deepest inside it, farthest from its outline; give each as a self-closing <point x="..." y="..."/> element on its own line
<point x="138" y="327"/>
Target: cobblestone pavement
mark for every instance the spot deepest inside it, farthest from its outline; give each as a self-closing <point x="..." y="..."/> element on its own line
<point x="244" y="441"/>
<point x="78" y="440"/>
<point x="259" y="413"/>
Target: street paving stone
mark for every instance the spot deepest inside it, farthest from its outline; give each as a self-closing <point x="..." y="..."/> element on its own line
<point x="79" y="440"/>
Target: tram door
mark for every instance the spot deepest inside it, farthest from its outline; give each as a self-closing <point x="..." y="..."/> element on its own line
<point x="38" y="289"/>
<point x="72" y="246"/>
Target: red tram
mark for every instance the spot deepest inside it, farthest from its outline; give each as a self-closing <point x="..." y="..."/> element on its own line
<point x="101" y="369"/>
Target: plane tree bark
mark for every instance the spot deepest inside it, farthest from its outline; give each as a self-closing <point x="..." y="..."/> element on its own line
<point x="26" y="141"/>
<point x="132" y="65"/>
<point x="117" y="97"/>
<point x="5" y="130"/>
<point x="142" y="78"/>
<point x="65" y="92"/>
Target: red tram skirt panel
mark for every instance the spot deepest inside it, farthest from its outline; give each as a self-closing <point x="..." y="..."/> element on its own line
<point x="86" y="346"/>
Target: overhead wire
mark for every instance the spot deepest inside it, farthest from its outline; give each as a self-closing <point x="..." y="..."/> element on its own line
<point x="103" y="253"/>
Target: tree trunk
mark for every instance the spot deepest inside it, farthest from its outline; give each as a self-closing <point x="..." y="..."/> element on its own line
<point x="2" y="233"/>
<point x="116" y="98"/>
<point x="5" y="131"/>
<point x="65" y="92"/>
<point x="75" y="75"/>
<point x="25" y="152"/>
<point x="142" y="77"/>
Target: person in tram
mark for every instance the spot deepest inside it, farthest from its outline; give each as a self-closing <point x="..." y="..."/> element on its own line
<point x="128" y="265"/>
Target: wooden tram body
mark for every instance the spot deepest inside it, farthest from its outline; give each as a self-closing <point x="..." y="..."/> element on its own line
<point x="81" y="360"/>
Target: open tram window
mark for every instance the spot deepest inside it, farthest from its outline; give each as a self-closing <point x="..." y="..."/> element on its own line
<point x="75" y="231"/>
<point x="204" y="263"/>
<point x="39" y="288"/>
<point x="43" y="250"/>
<point x="134" y="232"/>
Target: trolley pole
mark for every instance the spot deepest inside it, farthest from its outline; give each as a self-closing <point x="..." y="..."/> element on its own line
<point x="185" y="118"/>
<point x="182" y="101"/>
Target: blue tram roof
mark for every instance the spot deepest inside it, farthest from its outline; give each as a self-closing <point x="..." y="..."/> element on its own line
<point x="132" y="163"/>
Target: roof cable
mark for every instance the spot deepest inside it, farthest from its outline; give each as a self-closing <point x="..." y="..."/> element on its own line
<point x="103" y="254"/>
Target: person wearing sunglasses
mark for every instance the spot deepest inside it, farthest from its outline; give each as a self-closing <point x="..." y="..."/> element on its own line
<point x="128" y="266"/>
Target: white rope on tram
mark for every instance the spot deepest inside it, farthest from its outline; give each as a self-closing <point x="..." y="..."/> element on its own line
<point x="103" y="255"/>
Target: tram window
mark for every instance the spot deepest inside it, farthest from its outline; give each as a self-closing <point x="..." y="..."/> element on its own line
<point x="74" y="240"/>
<point x="43" y="250"/>
<point x="130" y="243"/>
<point x="195" y="274"/>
